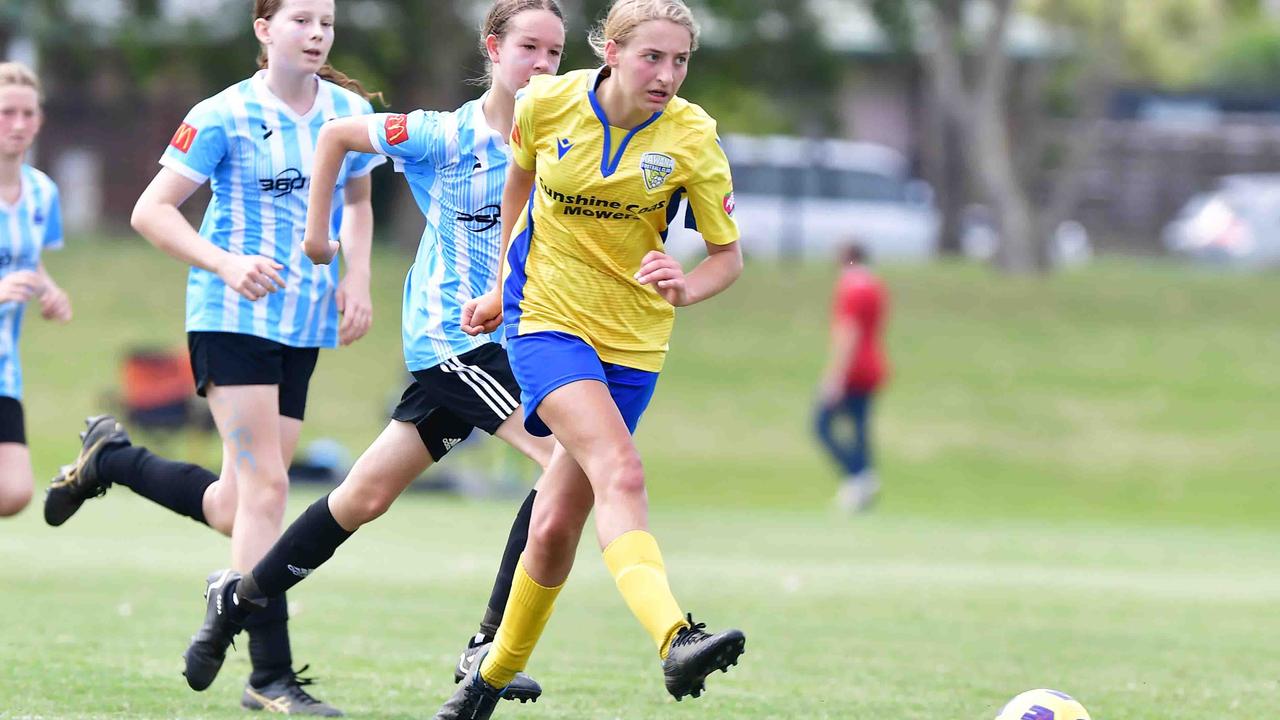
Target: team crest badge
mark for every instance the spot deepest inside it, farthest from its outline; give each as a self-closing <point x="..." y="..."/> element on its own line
<point x="655" y="168"/>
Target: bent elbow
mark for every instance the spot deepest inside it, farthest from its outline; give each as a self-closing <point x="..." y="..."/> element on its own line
<point x="137" y="219"/>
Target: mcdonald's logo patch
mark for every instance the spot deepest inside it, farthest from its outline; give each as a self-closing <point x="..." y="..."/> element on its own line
<point x="183" y="138"/>
<point x="397" y="129"/>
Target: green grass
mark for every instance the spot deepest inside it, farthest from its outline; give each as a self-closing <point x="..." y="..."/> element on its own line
<point x="887" y="617"/>
<point x="1079" y="479"/>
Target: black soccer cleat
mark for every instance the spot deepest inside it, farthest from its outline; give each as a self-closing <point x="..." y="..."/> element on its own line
<point x="476" y="699"/>
<point x="522" y="687"/>
<point x="694" y="655"/>
<point x="468" y="657"/>
<point x="208" y="646"/>
<point x="80" y="481"/>
<point x="287" y="696"/>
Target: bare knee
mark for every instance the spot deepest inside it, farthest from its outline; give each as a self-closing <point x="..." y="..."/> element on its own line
<point x="219" y="505"/>
<point x="555" y="533"/>
<point x="14" y="498"/>
<point x="263" y="496"/>
<point x="367" y="505"/>
<point x="624" y="480"/>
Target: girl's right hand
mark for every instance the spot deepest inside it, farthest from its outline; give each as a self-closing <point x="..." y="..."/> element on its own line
<point x="20" y="286"/>
<point x="482" y="314"/>
<point x="253" y="276"/>
<point x="320" y="252"/>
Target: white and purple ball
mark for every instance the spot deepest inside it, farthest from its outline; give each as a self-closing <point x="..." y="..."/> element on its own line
<point x="1043" y="704"/>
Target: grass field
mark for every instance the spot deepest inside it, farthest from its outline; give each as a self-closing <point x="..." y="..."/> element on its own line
<point x="1079" y="494"/>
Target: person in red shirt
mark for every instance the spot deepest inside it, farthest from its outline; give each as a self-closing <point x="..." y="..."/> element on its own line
<point x="856" y="370"/>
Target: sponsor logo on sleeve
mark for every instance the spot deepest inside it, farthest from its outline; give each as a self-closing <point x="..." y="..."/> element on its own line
<point x="515" y="136"/>
<point x="183" y="138"/>
<point x="397" y="129"/>
<point x="729" y="204"/>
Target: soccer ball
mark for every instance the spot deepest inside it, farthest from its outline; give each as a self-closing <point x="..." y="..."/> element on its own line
<point x="1043" y="705"/>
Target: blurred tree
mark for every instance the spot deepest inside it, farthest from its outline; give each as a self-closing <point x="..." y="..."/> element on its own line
<point x="1247" y="57"/>
<point x="972" y="83"/>
<point x="1026" y="168"/>
<point x="760" y="68"/>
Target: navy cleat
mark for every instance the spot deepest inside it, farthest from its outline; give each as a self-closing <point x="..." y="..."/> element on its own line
<point x="208" y="646"/>
<point x="80" y="481"/>
<point x="287" y="696"/>
<point x="476" y="699"/>
<point x="522" y="687"/>
<point x="694" y="655"/>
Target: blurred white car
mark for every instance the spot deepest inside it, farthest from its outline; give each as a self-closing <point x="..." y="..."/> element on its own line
<point x="1236" y="223"/>
<point x="798" y="197"/>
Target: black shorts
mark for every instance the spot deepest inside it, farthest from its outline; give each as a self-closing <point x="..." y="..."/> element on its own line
<point x="13" y="428"/>
<point x="223" y="358"/>
<point x="473" y="390"/>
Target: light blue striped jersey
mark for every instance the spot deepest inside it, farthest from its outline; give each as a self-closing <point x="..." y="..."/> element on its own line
<point x="27" y="227"/>
<point x="256" y="153"/>
<point x="456" y="166"/>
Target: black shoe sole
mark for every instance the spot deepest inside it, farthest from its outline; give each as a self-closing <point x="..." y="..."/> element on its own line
<point x="208" y="667"/>
<point x="199" y="681"/>
<point x="523" y="698"/>
<point x="725" y="656"/>
<point x="63" y="509"/>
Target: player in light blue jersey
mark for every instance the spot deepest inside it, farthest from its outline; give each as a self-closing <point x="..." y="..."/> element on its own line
<point x="30" y="222"/>
<point x="456" y="163"/>
<point x="258" y="310"/>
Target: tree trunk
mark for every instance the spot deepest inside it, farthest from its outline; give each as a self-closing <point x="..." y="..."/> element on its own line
<point x="952" y="196"/>
<point x="993" y="160"/>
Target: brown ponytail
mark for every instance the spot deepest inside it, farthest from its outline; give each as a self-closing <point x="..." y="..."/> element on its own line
<point x="265" y="9"/>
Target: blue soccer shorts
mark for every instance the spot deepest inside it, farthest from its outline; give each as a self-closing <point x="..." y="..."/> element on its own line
<point x="545" y="361"/>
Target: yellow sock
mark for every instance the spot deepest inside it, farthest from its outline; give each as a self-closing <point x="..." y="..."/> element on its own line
<point x="529" y="607"/>
<point x="635" y="562"/>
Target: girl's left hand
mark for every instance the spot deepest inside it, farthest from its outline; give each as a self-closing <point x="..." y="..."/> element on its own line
<point x="356" y="306"/>
<point x="664" y="273"/>
<point x="55" y="304"/>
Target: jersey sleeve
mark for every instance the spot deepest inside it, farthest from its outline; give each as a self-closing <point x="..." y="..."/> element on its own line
<point x="524" y="140"/>
<point x="415" y="137"/>
<point x="711" y="197"/>
<point x="52" y="239"/>
<point x="199" y="143"/>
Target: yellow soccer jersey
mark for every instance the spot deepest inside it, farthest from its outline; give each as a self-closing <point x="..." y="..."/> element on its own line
<point x="602" y="199"/>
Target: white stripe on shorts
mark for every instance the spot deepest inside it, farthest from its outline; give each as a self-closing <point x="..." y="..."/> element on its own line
<point x="495" y="402"/>
<point x="481" y="373"/>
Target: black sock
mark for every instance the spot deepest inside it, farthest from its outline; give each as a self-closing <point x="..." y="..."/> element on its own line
<point x="507" y="569"/>
<point x="178" y="486"/>
<point x="304" y="546"/>
<point x="237" y="609"/>
<point x="269" y="651"/>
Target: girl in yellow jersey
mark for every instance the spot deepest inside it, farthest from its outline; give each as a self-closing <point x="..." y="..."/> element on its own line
<point x="602" y="159"/>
